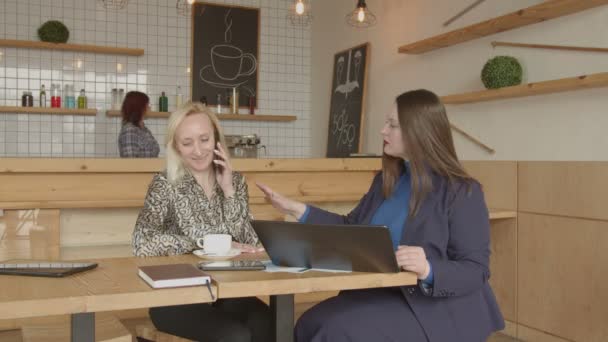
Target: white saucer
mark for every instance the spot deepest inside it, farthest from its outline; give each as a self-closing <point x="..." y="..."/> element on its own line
<point x="213" y="256"/>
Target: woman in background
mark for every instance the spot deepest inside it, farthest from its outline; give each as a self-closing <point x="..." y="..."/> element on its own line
<point x="135" y="139"/>
<point x="200" y="194"/>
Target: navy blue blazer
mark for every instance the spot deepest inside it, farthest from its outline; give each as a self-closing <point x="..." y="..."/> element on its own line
<point x="453" y="227"/>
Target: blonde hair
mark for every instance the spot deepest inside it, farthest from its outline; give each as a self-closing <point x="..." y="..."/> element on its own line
<point x="175" y="165"/>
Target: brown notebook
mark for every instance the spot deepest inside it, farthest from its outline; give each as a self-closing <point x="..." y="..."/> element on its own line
<point x="173" y="275"/>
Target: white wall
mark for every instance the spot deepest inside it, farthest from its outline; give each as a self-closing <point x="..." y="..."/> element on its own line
<point x="154" y="25"/>
<point x="564" y="126"/>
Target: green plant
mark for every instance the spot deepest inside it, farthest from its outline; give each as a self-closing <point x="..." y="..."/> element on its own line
<point x="501" y="71"/>
<point x="53" y="31"/>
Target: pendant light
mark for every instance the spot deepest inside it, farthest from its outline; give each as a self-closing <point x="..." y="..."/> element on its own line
<point x="300" y="13"/>
<point x="184" y="6"/>
<point x="361" y="17"/>
<point x="113" y="4"/>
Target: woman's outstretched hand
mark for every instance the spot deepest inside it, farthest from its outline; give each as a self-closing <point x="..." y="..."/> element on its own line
<point x="245" y="248"/>
<point x="282" y="203"/>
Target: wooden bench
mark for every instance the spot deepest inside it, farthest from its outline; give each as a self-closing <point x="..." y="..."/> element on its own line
<point x="144" y="328"/>
<point x="107" y="329"/>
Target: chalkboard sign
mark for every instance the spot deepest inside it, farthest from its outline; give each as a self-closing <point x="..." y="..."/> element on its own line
<point x="347" y="102"/>
<point x="224" y="51"/>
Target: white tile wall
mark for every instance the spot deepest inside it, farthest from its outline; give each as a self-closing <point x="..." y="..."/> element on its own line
<point x="154" y="25"/>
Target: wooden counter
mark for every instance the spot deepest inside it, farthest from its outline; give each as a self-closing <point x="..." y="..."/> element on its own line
<point x="548" y="223"/>
<point x="86" y="208"/>
<point x="121" y="183"/>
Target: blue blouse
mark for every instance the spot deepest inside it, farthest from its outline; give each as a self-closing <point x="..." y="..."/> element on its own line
<point x="393" y="213"/>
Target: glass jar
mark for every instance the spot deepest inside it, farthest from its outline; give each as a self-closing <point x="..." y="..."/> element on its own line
<point x="114" y="99"/>
<point x="234" y="101"/>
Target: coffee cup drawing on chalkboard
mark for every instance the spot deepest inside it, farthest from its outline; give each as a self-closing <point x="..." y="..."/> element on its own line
<point x="227" y="68"/>
<point x="227" y="62"/>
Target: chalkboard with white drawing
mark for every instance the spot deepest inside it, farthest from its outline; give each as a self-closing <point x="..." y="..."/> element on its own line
<point x="225" y="42"/>
<point x="346" y="114"/>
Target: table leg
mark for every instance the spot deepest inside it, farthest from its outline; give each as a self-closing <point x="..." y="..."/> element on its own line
<point x="83" y="327"/>
<point x="282" y="307"/>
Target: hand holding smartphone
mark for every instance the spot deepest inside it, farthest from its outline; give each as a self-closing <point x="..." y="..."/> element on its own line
<point x="223" y="170"/>
<point x="217" y="156"/>
<point x="216" y="167"/>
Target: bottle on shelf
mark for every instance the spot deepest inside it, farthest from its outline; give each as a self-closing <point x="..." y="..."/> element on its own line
<point x="218" y="99"/>
<point x="115" y="100"/>
<point x="121" y="97"/>
<point x="163" y="103"/>
<point x="179" y="97"/>
<point x="234" y="101"/>
<point x="204" y="100"/>
<point x="82" y="100"/>
<point x="252" y="104"/>
<point x="26" y="99"/>
<point x="55" y="96"/>
<point x="42" y="96"/>
<point x="228" y="101"/>
<point x="70" y="99"/>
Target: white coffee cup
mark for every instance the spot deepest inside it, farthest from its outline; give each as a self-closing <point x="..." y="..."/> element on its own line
<point x="215" y="243"/>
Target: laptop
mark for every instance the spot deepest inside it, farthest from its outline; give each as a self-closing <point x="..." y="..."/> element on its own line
<point x="358" y="248"/>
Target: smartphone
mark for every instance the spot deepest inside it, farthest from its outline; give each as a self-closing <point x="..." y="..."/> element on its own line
<point x="217" y="167"/>
<point x="232" y="265"/>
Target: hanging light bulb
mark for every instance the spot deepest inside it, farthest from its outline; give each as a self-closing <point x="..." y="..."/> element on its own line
<point x="361" y="17"/>
<point x="300" y="7"/>
<point x="300" y="13"/>
<point x="183" y="7"/>
<point x="113" y="4"/>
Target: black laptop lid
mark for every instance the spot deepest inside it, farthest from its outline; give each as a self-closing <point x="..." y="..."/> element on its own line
<point x="54" y="269"/>
<point x="341" y="247"/>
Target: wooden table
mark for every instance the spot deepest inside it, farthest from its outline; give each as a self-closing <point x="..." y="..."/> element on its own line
<point x="281" y="287"/>
<point x="115" y="285"/>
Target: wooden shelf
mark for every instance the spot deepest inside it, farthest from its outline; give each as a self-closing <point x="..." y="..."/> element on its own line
<point x="149" y="114"/>
<point x="502" y="214"/>
<point x="71" y="47"/>
<point x="257" y="117"/>
<point x="48" y="110"/>
<point x="242" y="117"/>
<point x="531" y="89"/>
<point x="550" y="9"/>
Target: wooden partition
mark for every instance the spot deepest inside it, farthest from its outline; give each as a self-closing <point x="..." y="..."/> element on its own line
<point x="499" y="181"/>
<point x="562" y="243"/>
<point x="549" y="226"/>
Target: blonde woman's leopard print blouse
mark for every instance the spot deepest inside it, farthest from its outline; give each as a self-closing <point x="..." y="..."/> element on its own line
<point x="174" y="216"/>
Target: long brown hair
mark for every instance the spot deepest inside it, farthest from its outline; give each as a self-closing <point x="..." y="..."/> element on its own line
<point x="429" y="146"/>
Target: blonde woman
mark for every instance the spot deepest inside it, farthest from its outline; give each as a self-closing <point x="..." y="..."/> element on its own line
<point x="200" y="194"/>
